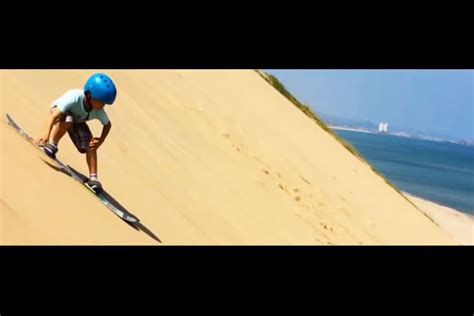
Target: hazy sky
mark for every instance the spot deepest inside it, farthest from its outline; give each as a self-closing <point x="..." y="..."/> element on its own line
<point x="432" y="100"/>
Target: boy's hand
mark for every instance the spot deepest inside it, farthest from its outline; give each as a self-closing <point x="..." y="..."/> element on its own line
<point x="43" y="140"/>
<point x="95" y="143"/>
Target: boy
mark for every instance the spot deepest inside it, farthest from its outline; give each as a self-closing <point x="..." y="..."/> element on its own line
<point x="70" y="113"/>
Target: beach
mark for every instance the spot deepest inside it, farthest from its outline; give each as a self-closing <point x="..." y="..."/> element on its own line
<point x="201" y="157"/>
<point x="350" y="129"/>
<point x="458" y="224"/>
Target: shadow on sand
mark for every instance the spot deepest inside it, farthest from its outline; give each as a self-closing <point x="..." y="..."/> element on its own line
<point x="137" y="226"/>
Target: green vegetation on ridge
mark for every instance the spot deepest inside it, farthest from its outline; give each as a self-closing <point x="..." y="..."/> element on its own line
<point x="307" y="110"/>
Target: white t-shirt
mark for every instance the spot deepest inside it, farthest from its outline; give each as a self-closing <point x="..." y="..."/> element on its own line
<point x="72" y="103"/>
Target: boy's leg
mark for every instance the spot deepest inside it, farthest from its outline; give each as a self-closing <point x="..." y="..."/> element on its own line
<point x="59" y="130"/>
<point x="81" y="137"/>
<point x="93" y="183"/>
<point x="91" y="157"/>
<point x="62" y="125"/>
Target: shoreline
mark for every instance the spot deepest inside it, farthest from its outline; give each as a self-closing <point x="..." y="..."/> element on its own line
<point x="436" y="140"/>
<point x="350" y="129"/>
<point x="458" y="224"/>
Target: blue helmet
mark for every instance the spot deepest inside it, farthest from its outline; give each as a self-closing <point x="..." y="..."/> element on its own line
<point x="101" y="88"/>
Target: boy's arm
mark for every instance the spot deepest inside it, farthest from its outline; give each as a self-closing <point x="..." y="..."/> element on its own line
<point x="49" y="126"/>
<point x="105" y="132"/>
<point x="96" y="142"/>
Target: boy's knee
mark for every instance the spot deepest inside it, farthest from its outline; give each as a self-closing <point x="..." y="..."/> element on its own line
<point x="64" y="124"/>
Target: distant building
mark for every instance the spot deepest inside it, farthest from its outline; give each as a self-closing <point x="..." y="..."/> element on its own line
<point x="383" y="127"/>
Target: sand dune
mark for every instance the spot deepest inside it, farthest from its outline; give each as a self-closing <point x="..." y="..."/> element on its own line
<point x="201" y="157"/>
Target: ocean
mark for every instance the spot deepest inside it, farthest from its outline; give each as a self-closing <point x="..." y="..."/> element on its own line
<point x="441" y="172"/>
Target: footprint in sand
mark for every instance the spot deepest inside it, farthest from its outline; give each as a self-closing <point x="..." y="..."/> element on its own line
<point x="305" y="180"/>
<point x="341" y="197"/>
<point x="281" y="186"/>
<point x="326" y="227"/>
<point x="256" y="158"/>
<point x="235" y="147"/>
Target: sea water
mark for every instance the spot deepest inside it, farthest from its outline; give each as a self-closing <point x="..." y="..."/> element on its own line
<point x="441" y="172"/>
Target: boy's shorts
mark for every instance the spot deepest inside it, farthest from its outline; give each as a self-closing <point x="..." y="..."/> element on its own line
<point x="81" y="136"/>
<point x="79" y="133"/>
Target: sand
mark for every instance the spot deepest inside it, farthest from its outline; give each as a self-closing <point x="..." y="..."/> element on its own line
<point x="208" y="157"/>
<point x="458" y="224"/>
